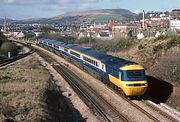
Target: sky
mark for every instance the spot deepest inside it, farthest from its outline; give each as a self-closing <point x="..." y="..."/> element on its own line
<point x="25" y="9"/>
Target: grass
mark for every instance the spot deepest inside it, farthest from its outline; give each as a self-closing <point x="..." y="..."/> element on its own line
<point x="20" y="91"/>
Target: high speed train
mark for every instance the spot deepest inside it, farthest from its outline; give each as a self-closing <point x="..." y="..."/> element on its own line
<point x="125" y="75"/>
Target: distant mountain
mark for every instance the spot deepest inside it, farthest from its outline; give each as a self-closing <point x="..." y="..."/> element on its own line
<point x="90" y="16"/>
<point x="7" y="19"/>
<point x="97" y="16"/>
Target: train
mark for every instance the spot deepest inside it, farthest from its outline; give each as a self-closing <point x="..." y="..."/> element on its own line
<point x="127" y="76"/>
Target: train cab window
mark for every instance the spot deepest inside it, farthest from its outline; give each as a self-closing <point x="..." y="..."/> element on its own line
<point x="133" y="75"/>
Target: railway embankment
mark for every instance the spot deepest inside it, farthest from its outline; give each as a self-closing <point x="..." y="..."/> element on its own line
<point x="28" y="93"/>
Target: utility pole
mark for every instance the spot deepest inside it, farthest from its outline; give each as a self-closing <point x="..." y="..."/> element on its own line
<point x="90" y="39"/>
<point x="143" y="24"/>
<point x="5" y="24"/>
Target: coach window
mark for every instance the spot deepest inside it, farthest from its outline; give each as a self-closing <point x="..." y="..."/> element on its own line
<point x="66" y="50"/>
<point x="56" y="46"/>
<point x="96" y="63"/>
<point x="103" y="67"/>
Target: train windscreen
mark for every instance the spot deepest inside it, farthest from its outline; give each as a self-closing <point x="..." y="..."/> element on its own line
<point x="133" y="75"/>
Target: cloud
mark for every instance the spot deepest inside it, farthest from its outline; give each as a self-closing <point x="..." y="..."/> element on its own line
<point x="36" y="2"/>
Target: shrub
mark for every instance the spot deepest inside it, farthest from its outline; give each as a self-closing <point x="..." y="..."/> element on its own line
<point x="113" y="47"/>
<point x="162" y="37"/>
<point x="85" y="40"/>
<point x="2" y="38"/>
<point x="140" y="47"/>
<point x="157" y="48"/>
<point x="174" y="41"/>
<point x="9" y="47"/>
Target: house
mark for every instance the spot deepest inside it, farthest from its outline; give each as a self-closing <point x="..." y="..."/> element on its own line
<point x="82" y="35"/>
<point x="174" y="24"/>
<point x="20" y="35"/>
<point x="140" y="36"/>
<point x="125" y="28"/>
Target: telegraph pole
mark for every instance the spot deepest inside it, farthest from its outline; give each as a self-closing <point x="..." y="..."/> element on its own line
<point x="90" y="39"/>
<point x="143" y="24"/>
<point x="5" y="24"/>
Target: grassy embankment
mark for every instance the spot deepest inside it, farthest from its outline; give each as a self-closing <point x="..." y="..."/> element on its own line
<point x="28" y="93"/>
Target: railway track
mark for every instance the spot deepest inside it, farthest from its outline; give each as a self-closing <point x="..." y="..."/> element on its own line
<point x="11" y="60"/>
<point x="90" y="97"/>
<point x="75" y="81"/>
<point x="144" y="111"/>
<point x="152" y="107"/>
<point x="163" y="113"/>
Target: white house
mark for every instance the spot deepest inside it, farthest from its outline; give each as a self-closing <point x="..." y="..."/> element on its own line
<point x="174" y="24"/>
<point x="158" y="34"/>
<point x="140" y="35"/>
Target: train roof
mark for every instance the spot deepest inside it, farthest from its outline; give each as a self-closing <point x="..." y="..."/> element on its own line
<point x="50" y="41"/>
<point x="42" y="39"/>
<point x="80" y="49"/>
<point x="58" y="43"/>
<point x="115" y="62"/>
<point x="95" y="54"/>
<point x="68" y="46"/>
<point x="110" y="60"/>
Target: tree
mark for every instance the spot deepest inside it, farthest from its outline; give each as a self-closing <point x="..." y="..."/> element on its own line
<point x="130" y="33"/>
<point x="2" y="38"/>
<point x="8" y="47"/>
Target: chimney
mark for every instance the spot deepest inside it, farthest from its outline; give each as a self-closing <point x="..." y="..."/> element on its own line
<point x="5" y="24"/>
<point x="143" y="24"/>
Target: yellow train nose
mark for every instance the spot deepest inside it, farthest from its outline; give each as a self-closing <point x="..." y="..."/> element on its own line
<point x="134" y="91"/>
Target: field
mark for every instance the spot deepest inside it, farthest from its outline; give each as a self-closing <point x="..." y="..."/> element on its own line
<point x="28" y="93"/>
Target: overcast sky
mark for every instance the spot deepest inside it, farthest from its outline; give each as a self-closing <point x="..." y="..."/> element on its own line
<point x="23" y="9"/>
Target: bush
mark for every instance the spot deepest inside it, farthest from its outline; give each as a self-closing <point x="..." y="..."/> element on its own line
<point x="2" y="38"/>
<point x="174" y="41"/>
<point x="113" y="47"/>
<point x="140" y="47"/>
<point x="9" y="47"/>
<point x="157" y="48"/>
<point x="161" y="38"/>
<point x="84" y="40"/>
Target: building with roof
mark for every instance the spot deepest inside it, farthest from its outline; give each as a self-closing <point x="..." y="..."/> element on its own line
<point x="175" y="24"/>
<point x="125" y="28"/>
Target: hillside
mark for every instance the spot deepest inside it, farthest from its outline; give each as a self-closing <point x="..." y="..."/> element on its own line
<point x="91" y="16"/>
<point x="97" y="16"/>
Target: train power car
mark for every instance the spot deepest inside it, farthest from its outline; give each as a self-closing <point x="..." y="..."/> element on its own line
<point x="126" y="75"/>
